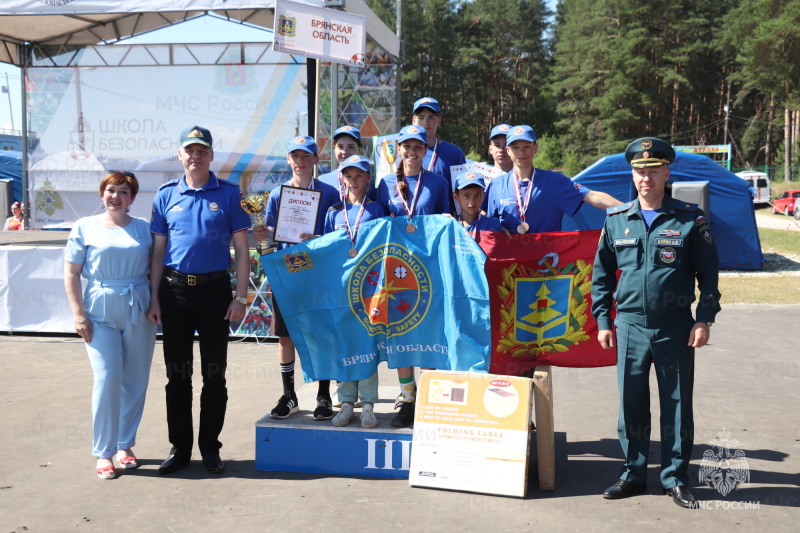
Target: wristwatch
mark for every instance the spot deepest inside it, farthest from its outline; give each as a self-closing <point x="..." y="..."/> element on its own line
<point x="242" y="300"/>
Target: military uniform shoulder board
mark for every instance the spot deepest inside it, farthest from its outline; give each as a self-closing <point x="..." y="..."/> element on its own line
<point x="619" y="208"/>
<point x="685" y="206"/>
<point x="168" y="184"/>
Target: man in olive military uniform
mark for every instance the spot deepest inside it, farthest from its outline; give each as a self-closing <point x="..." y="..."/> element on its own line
<point x="661" y="246"/>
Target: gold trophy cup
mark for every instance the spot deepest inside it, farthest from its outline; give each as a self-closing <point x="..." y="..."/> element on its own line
<point x="256" y="206"/>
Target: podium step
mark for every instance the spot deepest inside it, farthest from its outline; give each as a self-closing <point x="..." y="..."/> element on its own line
<point x="304" y="445"/>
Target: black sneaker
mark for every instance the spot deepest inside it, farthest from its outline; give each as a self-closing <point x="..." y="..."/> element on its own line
<point x="287" y="406"/>
<point x="324" y="410"/>
<point x="405" y="417"/>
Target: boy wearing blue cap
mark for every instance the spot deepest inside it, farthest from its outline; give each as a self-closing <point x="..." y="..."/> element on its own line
<point x="531" y="200"/>
<point x="302" y="157"/>
<point x="346" y="143"/>
<point x="349" y="215"/>
<point x="440" y="155"/>
<point x="497" y="148"/>
<point x="469" y="194"/>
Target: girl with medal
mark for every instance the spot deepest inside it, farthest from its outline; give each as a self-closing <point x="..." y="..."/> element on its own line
<point x="412" y="190"/>
<point x="350" y="215"/>
<point x="532" y="200"/>
<point x="469" y="194"/>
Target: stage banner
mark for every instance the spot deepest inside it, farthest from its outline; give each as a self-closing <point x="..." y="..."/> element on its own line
<point x="326" y="34"/>
<point x="410" y="298"/>
<point x="541" y="301"/>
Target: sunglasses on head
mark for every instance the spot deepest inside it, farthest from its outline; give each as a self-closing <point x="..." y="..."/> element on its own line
<point x="123" y="172"/>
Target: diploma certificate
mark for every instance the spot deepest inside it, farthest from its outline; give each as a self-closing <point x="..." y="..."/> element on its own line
<point x="297" y="213"/>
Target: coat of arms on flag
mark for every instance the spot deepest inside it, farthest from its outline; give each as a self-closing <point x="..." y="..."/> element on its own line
<point x="541" y="301"/>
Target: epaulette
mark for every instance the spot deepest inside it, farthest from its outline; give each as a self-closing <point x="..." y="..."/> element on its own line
<point x="336" y="207"/>
<point x="685" y="206"/>
<point x="168" y="184"/>
<point x="619" y="208"/>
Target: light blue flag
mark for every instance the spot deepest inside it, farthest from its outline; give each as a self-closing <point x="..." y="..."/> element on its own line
<point x="408" y="298"/>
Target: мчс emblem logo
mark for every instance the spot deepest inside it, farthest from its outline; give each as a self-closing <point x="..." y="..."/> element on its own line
<point x="725" y="466"/>
<point x="389" y="290"/>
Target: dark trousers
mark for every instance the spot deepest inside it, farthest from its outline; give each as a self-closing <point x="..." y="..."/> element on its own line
<point x="184" y="310"/>
<point x="638" y="350"/>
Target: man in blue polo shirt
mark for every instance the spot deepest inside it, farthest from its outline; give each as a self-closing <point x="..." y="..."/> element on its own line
<point x="194" y="220"/>
<point x="532" y="200"/>
<point x="346" y="143"/>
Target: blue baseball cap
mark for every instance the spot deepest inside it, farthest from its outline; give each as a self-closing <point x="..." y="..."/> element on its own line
<point x="196" y="135"/>
<point x="304" y="143"/>
<point x="348" y="130"/>
<point x="356" y="161"/>
<point x="520" y="133"/>
<point x="467" y="179"/>
<point x="501" y="129"/>
<point x="413" y="132"/>
<point x="430" y="103"/>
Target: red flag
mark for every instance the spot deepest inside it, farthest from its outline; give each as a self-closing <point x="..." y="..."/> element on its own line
<point x="540" y="296"/>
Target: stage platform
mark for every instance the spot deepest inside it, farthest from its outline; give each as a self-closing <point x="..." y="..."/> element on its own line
<point x="301" y="444"/>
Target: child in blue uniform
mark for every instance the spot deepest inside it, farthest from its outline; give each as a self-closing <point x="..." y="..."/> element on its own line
<point x="441" y="155"/>
<point x="346" y="143"/>
<point x="349" y="215"/>
<point x="413" y="190"/>
<point x="469" y="194"/>
<point x="532" y="200"/>
<point x="302" y="157"/>
<point x="497" y="148"/>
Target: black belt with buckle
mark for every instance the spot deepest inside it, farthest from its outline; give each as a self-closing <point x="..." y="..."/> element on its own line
<point x="193" y="279"/>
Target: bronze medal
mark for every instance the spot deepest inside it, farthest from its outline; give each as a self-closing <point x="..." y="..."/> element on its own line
<point x="523" y="228"/>
<point x="411" y="228"/>
<point x="352" y="252"/>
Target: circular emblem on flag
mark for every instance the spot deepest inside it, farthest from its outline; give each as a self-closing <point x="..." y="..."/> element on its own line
<point x="646" y="144"/>
<point x="518" y="130"/>
<point x="389" y="290"/>
<point x="667" y="254"/>
<point x="214" y="206"/>
<point x="412" y="130"/>
<point x="300" y="140"/>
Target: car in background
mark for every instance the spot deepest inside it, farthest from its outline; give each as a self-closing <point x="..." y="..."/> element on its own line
<point x="759" y="184"/>
<point x="787" y="203"/>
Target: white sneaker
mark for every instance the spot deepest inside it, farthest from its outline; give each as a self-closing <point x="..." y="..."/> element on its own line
<point x="368" y="419"/>
<point x="344" y="416"/>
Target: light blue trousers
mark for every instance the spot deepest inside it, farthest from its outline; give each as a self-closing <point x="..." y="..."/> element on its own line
<point x="348" y="391"/>
<point x="120" y="353"/>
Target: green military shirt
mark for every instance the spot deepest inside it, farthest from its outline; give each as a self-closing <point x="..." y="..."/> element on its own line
<point x="658" y="266"/>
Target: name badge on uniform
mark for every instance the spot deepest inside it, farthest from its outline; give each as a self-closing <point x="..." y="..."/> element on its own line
<point x="669" y="242"/>
<point x="214" y="206"/>
<point x="633" y="241"/>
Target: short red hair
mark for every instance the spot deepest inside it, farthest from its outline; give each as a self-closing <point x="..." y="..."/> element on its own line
<point x="120" y="177"/>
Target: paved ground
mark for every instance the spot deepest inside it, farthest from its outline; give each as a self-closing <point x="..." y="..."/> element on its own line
<point x="747" y="383"/>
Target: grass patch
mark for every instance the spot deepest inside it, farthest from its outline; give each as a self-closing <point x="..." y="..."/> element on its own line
<point x="780" y="241"/>
<point x="779" y="288"/>
<point x="746" y="289"/>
